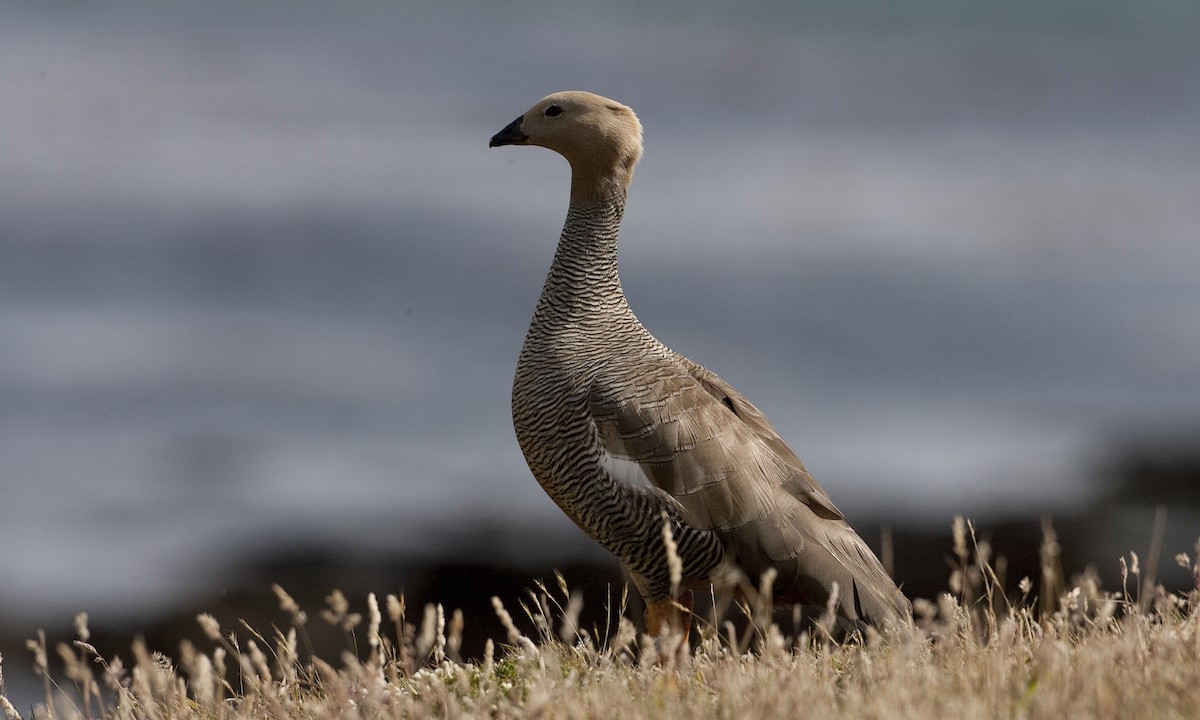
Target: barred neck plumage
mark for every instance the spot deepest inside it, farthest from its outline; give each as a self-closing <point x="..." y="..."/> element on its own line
<point x="583" y="278"/>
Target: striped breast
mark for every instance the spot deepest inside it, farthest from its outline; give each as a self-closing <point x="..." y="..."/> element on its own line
<point x="585" y="341"/>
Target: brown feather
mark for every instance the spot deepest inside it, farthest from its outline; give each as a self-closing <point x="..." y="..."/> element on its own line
<point x="722" y="460"/>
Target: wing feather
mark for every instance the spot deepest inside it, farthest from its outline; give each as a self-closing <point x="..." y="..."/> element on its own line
<point x="700" y="441"/>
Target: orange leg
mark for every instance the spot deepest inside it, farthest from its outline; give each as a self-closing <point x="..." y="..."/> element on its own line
<point x="663" y="616"/>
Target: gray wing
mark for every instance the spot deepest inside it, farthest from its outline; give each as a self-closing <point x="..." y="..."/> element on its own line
<point x="700" y="441"/>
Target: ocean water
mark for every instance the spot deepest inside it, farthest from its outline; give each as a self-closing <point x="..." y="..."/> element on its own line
<point x="263" y="284"/>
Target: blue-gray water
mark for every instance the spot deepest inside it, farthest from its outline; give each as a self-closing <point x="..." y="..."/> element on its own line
<point x="262" y="282"/>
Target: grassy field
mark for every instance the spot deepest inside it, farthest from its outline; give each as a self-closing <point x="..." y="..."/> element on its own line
<point x="1053" y="649"/>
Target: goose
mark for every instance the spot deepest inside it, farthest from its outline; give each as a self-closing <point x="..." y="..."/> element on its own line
<point x="627" y="436"/>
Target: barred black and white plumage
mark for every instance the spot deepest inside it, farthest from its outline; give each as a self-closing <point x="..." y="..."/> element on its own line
<point x="621" y="431"/>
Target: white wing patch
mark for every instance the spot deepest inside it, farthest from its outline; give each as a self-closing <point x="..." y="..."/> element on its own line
<point x="625" y="471"/>
<point x="633" y="476"/>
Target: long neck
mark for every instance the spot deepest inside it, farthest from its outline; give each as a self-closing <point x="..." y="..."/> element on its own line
<point x="595" y="180"/>
<point x="583" y="278"/>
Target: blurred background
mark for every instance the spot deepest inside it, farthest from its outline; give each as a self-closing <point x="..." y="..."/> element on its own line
<point x="263" y="285"/>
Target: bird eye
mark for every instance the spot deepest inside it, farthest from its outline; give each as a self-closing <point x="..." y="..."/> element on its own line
<point x="553" y="111"/>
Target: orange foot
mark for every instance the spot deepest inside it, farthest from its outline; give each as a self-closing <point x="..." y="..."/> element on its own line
<point x="673" y="616"/>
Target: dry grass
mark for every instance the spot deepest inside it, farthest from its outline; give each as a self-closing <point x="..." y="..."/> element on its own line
<point x="1075" y="652"/>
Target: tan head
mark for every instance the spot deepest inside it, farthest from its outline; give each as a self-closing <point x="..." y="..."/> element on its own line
<point x="600" y="138"/>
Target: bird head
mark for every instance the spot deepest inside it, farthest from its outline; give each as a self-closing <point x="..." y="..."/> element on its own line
<point x="600" y="138"/>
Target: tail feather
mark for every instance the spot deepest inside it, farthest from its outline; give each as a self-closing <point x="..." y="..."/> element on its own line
<point x="834" y="554"/>
<point x="866" y="591"/>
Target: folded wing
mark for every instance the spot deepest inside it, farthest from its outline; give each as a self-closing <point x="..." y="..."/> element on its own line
<point x="701" y="442"/>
